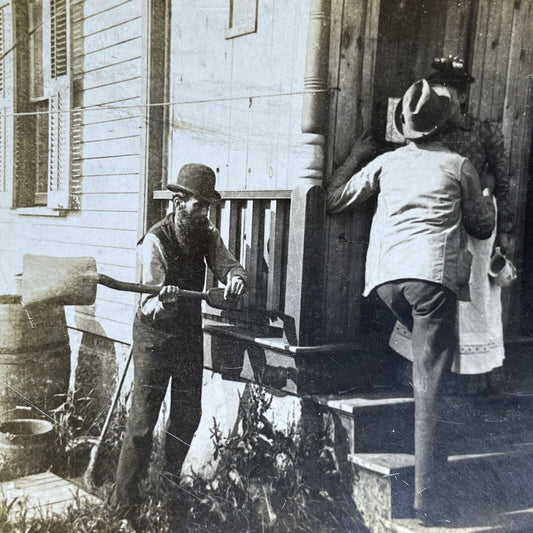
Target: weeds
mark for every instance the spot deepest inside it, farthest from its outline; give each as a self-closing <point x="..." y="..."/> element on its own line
<point x="270" y="481"/>
<point x="265" y="480"/>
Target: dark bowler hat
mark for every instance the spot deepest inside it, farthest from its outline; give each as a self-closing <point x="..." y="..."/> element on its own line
<point x="422" y="110"/>
<point x="198" y="180"/>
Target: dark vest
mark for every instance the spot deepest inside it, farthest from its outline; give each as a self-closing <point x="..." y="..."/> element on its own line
<point x="187" y="271"/>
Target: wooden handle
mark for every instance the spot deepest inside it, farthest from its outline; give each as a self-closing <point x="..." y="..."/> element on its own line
<point x="129" y="286"/>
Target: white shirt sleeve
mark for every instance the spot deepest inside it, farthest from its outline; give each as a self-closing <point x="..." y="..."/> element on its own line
<point x="154" y="269"/>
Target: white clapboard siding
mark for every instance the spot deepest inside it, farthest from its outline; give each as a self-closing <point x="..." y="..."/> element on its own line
<point x="111" y="130"/>
<point x="111" y="184"/>
<point x="121" y="33"/>
<point x="110" y="309"/>
<point x="108" y="74"/>
<point x="121" y="111"/>
<point x="105" y="255"/>
<point x="107" y="48"/>
<point x="86" y="219"/>
<point x="120" y="331"/>
<point x="108" y="93"/>
<point x="110" y="147"/>
<point x="117" y="202"/>
<point x="110" y="295"/>
<point x="64" y="234"/>
<point x="112" y="55"/>
<point x="126" y="164"/>
<point x="93" y="8"/>
<point x="108" y="17"/>
<point x="112" y="74"/>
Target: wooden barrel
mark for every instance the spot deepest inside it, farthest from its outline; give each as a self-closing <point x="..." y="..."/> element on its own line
<point x="34" y="357"/>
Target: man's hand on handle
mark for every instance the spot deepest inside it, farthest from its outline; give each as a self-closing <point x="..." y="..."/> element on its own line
<point x="169" y="294"/>
<point x="234" y="287"/>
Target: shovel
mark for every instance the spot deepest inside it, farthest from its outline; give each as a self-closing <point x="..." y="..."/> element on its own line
<point x="73" y="281"/>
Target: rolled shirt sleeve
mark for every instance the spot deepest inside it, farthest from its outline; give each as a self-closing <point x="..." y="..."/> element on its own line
<point x="154" y="268"/>
<point x="478" y="210"/>
<point x="221" y="261"/>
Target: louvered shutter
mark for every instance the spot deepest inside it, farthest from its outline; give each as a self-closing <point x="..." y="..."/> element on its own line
<point x="6" y="107"/>
<point x="59" y="94"/>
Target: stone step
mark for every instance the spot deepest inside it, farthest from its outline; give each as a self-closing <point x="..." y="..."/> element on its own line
<point x="490" y="491"/>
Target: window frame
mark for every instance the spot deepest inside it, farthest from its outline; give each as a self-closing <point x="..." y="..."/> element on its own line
<point x="238" y="24"/>
<point x="41" y="155"/>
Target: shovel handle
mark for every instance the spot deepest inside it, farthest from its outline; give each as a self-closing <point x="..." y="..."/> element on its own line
<point x="129" y="286"/>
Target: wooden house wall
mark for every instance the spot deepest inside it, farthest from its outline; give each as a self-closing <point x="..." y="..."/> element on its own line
<point x="107" y="49"/>
<point x="352" y="60"/>
<point x="237" y="102"/>
<point x="502" y="63"/>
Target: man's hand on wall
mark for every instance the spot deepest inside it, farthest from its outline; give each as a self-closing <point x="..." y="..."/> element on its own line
<point x="364" y="148"/>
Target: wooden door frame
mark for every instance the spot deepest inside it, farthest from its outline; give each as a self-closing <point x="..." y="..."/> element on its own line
<point x="154" y="118"/>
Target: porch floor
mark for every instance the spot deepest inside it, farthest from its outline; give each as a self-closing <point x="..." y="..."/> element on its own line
<point x="42" y="494"/>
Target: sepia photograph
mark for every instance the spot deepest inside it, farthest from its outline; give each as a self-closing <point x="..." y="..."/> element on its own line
<point x="265" y="266"/>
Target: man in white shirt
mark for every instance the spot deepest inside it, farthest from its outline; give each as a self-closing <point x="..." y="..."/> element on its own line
<point x="427" y="196"/>
<point x="167" y="332"/>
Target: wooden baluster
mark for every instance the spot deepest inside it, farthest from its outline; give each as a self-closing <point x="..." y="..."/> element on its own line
<point x="235" y="228"/>
<point x="254" y="239"/>
<point x="214" y="217"/>
<point x="277" y="254"/>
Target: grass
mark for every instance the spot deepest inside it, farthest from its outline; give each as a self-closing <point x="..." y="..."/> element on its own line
<point x="265" y="481"/>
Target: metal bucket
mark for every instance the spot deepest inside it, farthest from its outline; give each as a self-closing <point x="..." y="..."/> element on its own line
<point x="26" y="447"/>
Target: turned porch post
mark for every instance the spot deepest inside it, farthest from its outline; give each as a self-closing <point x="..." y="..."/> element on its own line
<point x="304" y="293"/>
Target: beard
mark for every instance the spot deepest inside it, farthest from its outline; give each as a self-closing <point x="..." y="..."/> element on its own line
<point x="191" y="230"/>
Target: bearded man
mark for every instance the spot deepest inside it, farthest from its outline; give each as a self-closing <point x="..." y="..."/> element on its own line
<point x="167" y="331"/>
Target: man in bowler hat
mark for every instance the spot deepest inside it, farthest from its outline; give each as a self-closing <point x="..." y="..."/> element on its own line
<point x="167" y="331"/>
<point x="427" y="196"/>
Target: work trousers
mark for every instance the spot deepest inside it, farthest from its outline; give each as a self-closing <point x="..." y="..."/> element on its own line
<point x="429" y="310"/>
<point x="159" y="356"/>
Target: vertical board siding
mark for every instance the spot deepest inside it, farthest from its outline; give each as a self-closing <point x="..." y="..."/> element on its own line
<point x="502" y="94"/>
<point x="233" y="106"/>
<point x="458" y="18"/>
<point x="352" y="52"/>
<point x="106" y="69"/>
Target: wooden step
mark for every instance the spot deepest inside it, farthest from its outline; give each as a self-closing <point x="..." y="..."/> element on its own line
<point x="384" y="423"/>
<point x="512" y="522"/>
<point x="381" y="422"/>
<point x="42" y="494"/>
<point x="488" y="490"/>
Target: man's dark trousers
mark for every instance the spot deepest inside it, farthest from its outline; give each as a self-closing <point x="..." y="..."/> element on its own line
<point x="159" y="356"/>
<point x="429" y="310"/>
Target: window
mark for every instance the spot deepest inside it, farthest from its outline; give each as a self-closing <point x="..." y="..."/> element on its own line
<point x="242" y="18"/>
<point x="39" y="113"/>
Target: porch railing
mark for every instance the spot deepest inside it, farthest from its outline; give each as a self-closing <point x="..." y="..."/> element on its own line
<point x="255" y="227"/>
